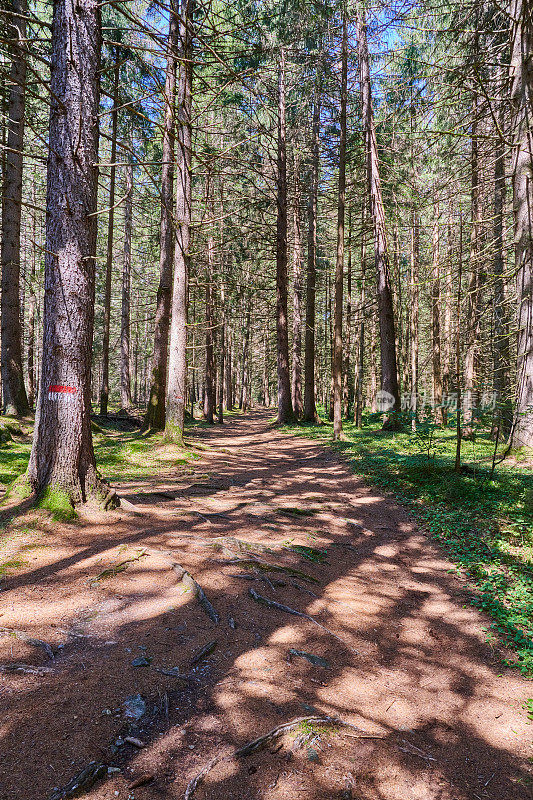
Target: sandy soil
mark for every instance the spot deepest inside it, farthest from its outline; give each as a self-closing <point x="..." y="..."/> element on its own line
<point x="407" y="658"/>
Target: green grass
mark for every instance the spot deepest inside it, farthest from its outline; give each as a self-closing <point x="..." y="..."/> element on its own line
<point x="119" y="456"/>
<point x="485" y="525"/>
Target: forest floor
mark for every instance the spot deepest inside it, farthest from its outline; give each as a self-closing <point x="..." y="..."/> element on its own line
<point x="101" y="639"/>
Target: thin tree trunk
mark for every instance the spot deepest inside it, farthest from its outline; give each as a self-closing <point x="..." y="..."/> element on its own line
<point x="177" y="368"/>
<point x="104" y="389"/>
<point x="359" y="373"/>
<point x="435" y="322"/>
<point x="125" y="317"/>
<point x="309" y="410"/>
<point x="14" y="396"/>
<point x="503" y="412"/>
<point x="458" y="334"/>
<point x="32" y="309"/>
<point x="210" y="367"/>
<point x="473" y="317"/>
<point x="414" y="316"/>
<point x="285" y="411"/>
<point x="522" y="131"/>
<point x="155" y="412"/>
<point x="297" y="271"/>
<point x="389" y="371"/>
<point x="339" y="267"/>
<point x="62" y="456"/>
<point x="347" y="376"/>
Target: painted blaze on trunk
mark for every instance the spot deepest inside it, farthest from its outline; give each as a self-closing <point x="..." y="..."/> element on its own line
<point x="62" y="455"/>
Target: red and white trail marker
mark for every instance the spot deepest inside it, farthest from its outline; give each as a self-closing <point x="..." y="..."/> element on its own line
<point x="59" y="392"/>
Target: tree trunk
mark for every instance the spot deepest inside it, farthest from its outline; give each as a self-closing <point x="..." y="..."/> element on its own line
<point x="309" y="410"/>
<point x="104" y="390"/>
<point x="32" y="309"/>
<point x="522" y="131"/>
<point x="348" y="388"/>
<point x="339" y="266"/>
<point x="297" y="271"/>
<point x="435" y="323"/>
<point x="125" y="377"/>
<point x="285" y="411"/>
<point x="389" y="371"/>
<point x="155" y="412"/>
<point x="177" y="368"/>
<point x="14" y="396"/>
<point x="62" y="456"/>
<point x="473" y="313"/>
<point x="210" y="370"/>
<point x="503" y="412"/>
<point x="414" y="316"/>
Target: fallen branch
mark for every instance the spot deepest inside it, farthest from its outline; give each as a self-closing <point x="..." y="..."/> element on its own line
<point x="287" y="610"/>
<point x="267" y="739"/>
<point x="25" y="669"/>
<point x="191" y="585"/>
<point x="84" y="781"/>
<point x="120" y="567"/>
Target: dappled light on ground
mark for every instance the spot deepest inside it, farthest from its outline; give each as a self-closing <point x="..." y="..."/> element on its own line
<point x="402" y="656"/>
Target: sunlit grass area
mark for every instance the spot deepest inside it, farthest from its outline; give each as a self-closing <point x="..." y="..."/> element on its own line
<point x="484" y="523"/>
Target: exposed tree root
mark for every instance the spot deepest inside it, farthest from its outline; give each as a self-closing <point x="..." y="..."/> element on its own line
<point x="266" y="740"/>
<point x="287" y="610"/>
<point x="189" y="583"/>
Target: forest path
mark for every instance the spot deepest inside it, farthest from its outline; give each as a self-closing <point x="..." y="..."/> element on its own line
<point x="401" y="653"/>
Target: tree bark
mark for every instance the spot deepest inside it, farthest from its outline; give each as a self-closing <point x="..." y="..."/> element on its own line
<point x="62" y="456"/>
<point x="522" y="132"/>
<point x="297" y="272"/>
<point x="210" y="395"/>
<point x="285" y="411"/>
<point x="14" y="396"/>
<point x="177" y="368"/>
<point x="359" y="369"/>
<point x="309" y="410"/>
<point x="155" y="412"/>
<point x="503" y="412"/>
<point x="414" y="316"/>
<point x="389" y="371"/>
<point x="473" y="313"/>
<point x="104" y="390"/>
<point x="125" y="317"/>
<point x="339" y="266"/>
<point x="435" y="323"/>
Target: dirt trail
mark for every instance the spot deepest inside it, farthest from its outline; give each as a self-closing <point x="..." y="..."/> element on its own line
<point x="407" y="658"/>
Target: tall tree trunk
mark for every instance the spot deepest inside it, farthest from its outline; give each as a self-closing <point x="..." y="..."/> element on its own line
<point x="503" y="412"/>
<point x="125" y="317"/>
<point x="62" y="456"/>
<point x="389" y="371"/>
<point x="522" y="131"/>
<point x="309" y="410"/>
<point x="104" y="389"/>
<point x="14" y="396"/>
<point x="297" y="271"/>
<point x="359" y="371"/>
<point x="473" y="313"/>
<point x="285" y="411"/>
<point x="339" y="266"/>
<point x="347" y="388"/>
<point x="155" y="412"/>
<point x="414" y="315"/>
<point x="435" y="322"/>
<point x="32" y="308"/>
<point x="177" y="368"/>
<point x="210" y="369"/>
